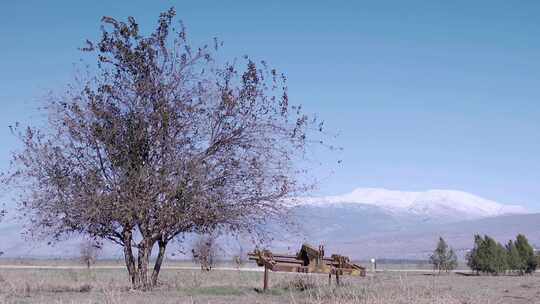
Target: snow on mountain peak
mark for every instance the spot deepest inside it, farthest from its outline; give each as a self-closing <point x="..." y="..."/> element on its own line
<point x="426" y="203"/>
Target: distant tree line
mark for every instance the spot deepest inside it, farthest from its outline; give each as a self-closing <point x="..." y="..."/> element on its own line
<point x="491" y="257"/>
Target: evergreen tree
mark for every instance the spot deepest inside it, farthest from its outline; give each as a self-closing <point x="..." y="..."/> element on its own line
<point x="487" y="256"/>
<point x="443" y="257"/>
<point x="473" y="256"/>
<point x="484" y="256"/>
<point x="515" y="262"/>
<point x="526" y="253"/>
<point x="451" y="260"/>
<point x="499" y="262"/>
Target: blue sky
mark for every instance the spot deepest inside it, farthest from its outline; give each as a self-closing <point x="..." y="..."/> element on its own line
<point x="424" y="94"/>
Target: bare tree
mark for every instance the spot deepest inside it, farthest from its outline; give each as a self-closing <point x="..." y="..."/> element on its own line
<point x="238" y="253"/>
<point x="204" y="251"/>
<point x="239" y="258"/>
<point x="161" y="140"/>
<point x="89" y="251"/>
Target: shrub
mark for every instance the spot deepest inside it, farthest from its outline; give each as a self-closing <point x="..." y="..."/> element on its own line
<point x="301" y="283"/>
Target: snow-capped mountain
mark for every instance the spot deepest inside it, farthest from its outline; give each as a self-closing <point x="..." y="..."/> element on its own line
<point x="432" y="204"/>
<point x="371" y="222"/>
<point x="365" y="223"/>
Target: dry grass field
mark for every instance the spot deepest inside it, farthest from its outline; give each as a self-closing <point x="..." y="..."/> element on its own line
<point x="192" y="286"/>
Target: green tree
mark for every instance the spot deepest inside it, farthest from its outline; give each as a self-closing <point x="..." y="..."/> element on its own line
<point x="487" y="256"/>
<point x="526" y="253"/>
<point x="473" y="256"/>
<point x="515" y="262"/>
<point x="498" y="264"/>
<point x="451" y="260"/>
<point x="443" y="257"/>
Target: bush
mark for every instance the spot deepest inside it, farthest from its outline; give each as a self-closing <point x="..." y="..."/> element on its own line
<point x="301" y="283"/>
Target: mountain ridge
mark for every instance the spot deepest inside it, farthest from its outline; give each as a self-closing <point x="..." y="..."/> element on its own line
<point x="368" y="222"/>
<point x="437" y="202"/>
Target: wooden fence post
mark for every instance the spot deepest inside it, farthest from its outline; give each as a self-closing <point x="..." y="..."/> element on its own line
<point x="265" y="284"/>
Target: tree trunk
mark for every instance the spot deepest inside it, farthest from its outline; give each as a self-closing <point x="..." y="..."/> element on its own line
<point x="157" y="266"/>
<point x="130" y="260"/>
<point x="145" y="250"/>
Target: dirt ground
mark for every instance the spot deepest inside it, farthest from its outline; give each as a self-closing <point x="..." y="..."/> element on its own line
<point x="193" y="286"/>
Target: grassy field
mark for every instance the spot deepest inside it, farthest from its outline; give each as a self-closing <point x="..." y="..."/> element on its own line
<point x="193" y="286"/>
<point x="386" y="265"/>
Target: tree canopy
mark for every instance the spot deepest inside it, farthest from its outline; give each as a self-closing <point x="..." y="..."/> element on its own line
<point x="161" y="140"/>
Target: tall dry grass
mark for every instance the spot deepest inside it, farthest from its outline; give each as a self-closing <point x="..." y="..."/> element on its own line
<point x="186" y="286"/>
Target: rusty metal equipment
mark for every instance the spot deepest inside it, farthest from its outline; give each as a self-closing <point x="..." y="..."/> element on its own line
<point x="307" y="260"/>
